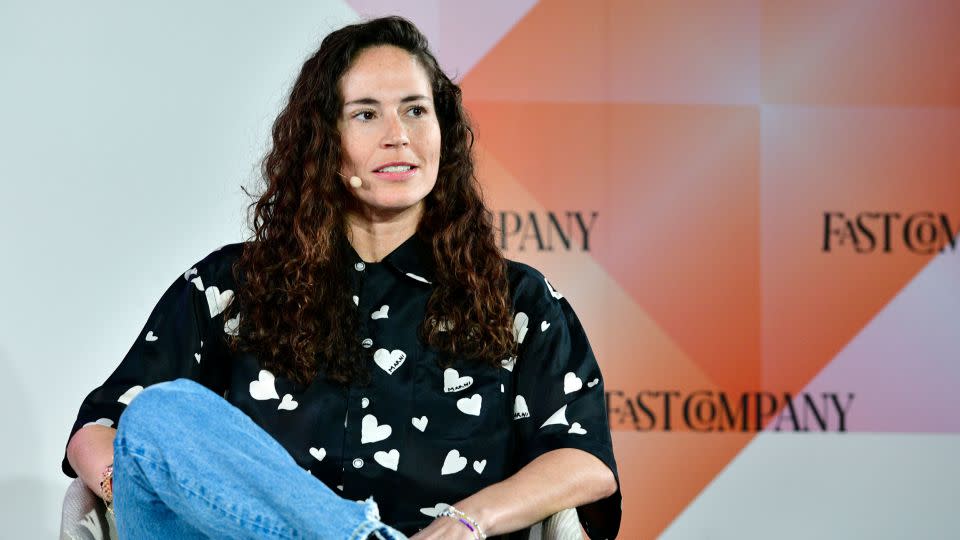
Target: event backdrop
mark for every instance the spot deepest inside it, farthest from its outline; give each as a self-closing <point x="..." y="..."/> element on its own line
<point x="753" y="206"/>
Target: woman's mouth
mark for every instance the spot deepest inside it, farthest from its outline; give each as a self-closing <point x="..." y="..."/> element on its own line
<point x="396" y="171"/>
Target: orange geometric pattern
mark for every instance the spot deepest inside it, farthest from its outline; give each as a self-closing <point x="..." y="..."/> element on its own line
<point x="707" y="136"/>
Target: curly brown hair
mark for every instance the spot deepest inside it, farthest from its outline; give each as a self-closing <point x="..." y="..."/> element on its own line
<point x="291" y="276"/>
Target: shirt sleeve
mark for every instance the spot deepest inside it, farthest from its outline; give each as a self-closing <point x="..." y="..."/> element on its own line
<point x="170" y="346"/>
<point x="559" y="401"/>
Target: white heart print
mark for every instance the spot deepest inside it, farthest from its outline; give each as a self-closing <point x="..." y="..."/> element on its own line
<point x="264" y="387"/>
<point x="577" y="429"/>
<point x="508" y="363"/>
<point x="520" y="322"/>
<point x="453" y="463"/>
<point x="188" y="273"/>
<point x="520" y="409"/>
<point x="571" y="383"/>
<point x="371" y="432"/>
<point x="553" y="292"/>
<point x="479" y="465"/>
<point x="559" y="417"/>
<point x="418" y="278"/>
<point x="356" y="300"/>
<point x="231" y="326"/>
<point x="151" y="336"/>
<point x="470" y="405"/>
<point x="101" y="422"/>
<point x="420" y="423"/>
<point x="389" y="361"/>
<point x="544" y="325"/>
<point x="435" y="511"/>
<point x="364" y="403"/>
<point x="380" y="313"/>
<point x="318" y="453"/>
<point x="453" y="382"/>
<point x="592" y="383"/>
<point x="198" y="283"/>
<point x="218" y="301"/>
<point x="287" y="403"/>
<point x="197" y="356"/>
<point x="128" y="396"/>
<point x="389" y="459"/>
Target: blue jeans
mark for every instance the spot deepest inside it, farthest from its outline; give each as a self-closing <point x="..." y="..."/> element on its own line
<point x="188" y="464"/>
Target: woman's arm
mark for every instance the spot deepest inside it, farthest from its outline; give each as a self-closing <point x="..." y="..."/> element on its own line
<point x="90" y="451"/>
<point x="554" y="481"/>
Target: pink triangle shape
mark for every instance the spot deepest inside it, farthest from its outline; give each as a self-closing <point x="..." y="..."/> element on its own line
<point x="904" y="366"/>
<point x="460" y="33"/>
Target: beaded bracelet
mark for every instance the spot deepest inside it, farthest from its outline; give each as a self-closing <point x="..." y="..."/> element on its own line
<point x="467" y="521"/>
<point x="106" y="487"/>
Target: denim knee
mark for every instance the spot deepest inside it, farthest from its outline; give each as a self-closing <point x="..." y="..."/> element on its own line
<point x="159" y="407"/>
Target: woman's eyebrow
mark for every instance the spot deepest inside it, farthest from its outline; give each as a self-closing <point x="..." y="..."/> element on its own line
<point x="371" y="101"/>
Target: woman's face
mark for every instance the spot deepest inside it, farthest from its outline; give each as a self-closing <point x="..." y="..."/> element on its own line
<point x="389" y="132"/>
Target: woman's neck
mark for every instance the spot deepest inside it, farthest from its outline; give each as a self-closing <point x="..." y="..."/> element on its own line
<point x="374" y="237"/>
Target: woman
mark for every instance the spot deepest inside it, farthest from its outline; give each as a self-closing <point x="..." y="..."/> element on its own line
<point x="370" y="335"/>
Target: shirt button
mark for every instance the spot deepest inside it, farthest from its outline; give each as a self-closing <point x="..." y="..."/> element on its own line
<point x="357" y="463"/>
<point x="359" y="266"/>
<point x="367" y="343"/>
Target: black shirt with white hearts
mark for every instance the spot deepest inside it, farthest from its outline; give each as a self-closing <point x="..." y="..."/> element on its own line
<point x="418" y="436"/>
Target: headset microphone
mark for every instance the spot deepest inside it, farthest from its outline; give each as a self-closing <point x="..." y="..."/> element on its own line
<point x="355" y="181"/>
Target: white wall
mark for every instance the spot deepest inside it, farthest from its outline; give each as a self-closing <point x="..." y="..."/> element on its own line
<point x="126" y="130"/>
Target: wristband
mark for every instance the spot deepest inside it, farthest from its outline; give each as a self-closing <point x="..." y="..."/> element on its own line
<point x="467" y="521"/>
<point x="106" y="487"/>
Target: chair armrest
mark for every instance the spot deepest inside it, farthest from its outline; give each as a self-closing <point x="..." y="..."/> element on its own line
<point x="564" y="525"/>
<point x="84" y="515"/>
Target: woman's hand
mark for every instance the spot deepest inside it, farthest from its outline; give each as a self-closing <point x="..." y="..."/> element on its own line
<point x="444" y="528"/>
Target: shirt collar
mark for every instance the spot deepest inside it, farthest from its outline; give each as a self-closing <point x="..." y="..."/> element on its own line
<point x="413" y="259"/>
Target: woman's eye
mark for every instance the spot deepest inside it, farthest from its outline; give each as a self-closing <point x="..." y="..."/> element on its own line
<point x="418" y="111"/>
<point x="364" y="115"/>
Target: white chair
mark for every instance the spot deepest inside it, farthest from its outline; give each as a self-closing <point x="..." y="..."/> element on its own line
<point x="85" y="517"/>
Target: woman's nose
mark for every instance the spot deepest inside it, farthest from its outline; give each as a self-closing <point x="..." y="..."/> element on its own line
<point x="396" y="133"/>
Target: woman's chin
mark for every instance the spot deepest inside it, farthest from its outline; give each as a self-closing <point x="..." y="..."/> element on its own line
<point x="384" y="210"/>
